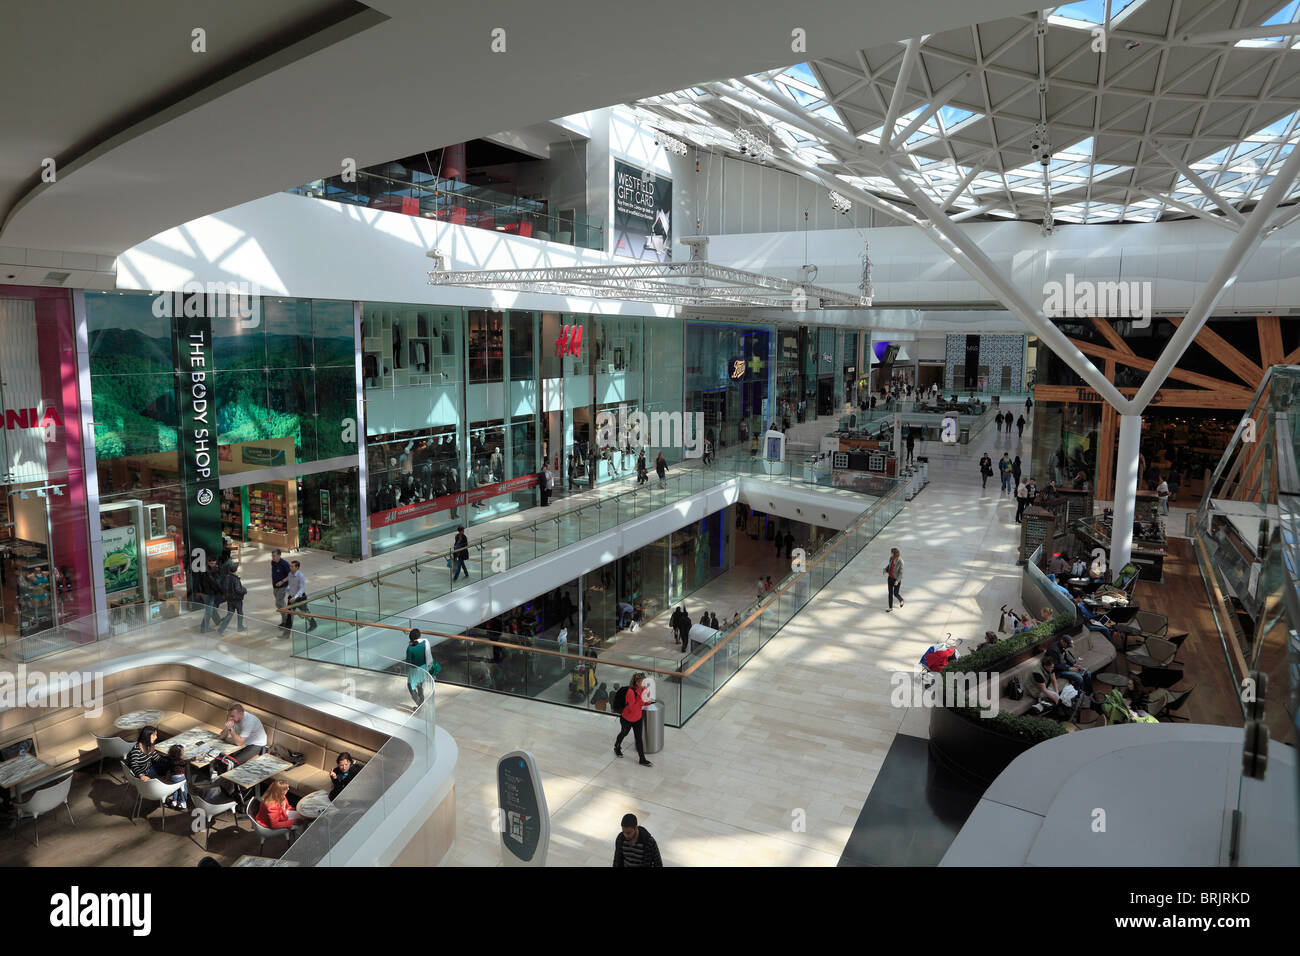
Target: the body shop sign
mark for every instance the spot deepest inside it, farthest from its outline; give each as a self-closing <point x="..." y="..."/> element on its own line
<point x="198" y="439"/>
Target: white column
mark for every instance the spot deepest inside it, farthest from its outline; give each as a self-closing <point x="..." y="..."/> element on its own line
<point x="1126" y="478"/>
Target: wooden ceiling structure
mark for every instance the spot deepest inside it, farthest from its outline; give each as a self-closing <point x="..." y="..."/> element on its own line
<point x="1209" y="393"/>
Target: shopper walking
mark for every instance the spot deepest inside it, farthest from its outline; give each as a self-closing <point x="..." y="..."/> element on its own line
<point x="634" y="846"/>
<point x="1015" y="471"/>
<point x="280" y="585"/>
<point x="420" y="665"/>
<point x="911" y="445"/>
<point x="628" y="703"/>
<point x="789" y="545"/>
<point x="1020" y="427"/>
<point x="547" y="483"/>
<point x="998" y="420"/>
<point x="894" y="574"/>
<point x="1022" y="499"/>
<point x="233" y="591"/>
<point x="1162" y="492"/>
<point x="661" y="469"/>
<point x="1004" y="473"/>
<point x="986" y="470"/>
<point x="298" y="593"/>
<point x="460" y="554"/>
<point x="208" y="587"/>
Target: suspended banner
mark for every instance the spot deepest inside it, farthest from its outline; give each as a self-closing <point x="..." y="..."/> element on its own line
<point x="643" y="206"/>
<point x="198" y="439"/>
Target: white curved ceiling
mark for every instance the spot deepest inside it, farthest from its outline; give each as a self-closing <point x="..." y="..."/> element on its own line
<point x="1133" y="94"/>
<point x="147" y="133"/>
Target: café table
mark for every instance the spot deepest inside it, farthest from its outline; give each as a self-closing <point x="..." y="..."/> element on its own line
<point x="314" y="804"/>
<point x="247" y="860"/>
<point x="198" y="745"/>
<point x="256" y="771"/>
<point x="138" y="719"/>
<point x="17" y="769"/>
<point x="1111" y="680"/>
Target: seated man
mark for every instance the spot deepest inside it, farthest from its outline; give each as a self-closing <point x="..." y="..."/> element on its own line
<point x="1058" y="564"/>
<point x="246" y="730"/>
<point x="1067" y="665"/>
<point x="1053" y="699"/>
<point x="1095" y="619"/>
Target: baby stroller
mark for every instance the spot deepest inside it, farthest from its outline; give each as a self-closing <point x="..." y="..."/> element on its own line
<point x="935" y="659"/>
<point x="581" y="682"/>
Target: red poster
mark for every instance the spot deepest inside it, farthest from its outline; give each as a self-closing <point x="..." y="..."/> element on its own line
<point x="459" y="500"/>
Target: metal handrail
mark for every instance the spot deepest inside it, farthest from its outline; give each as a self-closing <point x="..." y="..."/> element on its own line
<point x="766" y="605"/>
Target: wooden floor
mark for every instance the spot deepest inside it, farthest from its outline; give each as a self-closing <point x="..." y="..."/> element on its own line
<point x="105" y="836"/>
<point x="1181" y="598"/>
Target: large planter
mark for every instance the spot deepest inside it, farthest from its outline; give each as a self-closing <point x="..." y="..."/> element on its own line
<point x="971" y="749"/>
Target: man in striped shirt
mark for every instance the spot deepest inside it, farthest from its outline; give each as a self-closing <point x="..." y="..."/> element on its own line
<point x="635" y="846"/>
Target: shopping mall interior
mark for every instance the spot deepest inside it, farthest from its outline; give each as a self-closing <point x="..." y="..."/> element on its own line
<point x="401" y="479"/>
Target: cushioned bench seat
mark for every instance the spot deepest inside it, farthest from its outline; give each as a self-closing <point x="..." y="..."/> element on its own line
<point x="190" y="697"/>
<point x="1094" y="652"/>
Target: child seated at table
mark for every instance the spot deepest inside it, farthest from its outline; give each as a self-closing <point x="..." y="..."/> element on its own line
<point x="345" y="768"/>
<point x="172" y="770"/>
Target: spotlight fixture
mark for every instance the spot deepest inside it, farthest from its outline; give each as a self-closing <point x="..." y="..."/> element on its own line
<point x="1132" y="44"/>
<point x="670" y="143"/>
<point x="753" y="145"/>
<point x="839" y="203"/>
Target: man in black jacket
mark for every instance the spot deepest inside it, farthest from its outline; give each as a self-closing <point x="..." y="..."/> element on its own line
<point x="232" y="591"/>
<point x="460" y="555"/>
<point x="209" y="591"/>
<point x="635" y="846"/>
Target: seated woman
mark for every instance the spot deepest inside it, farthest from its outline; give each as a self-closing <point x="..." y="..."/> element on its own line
<point x="140" y="759"/>
<point x="274" y="811"/>
<point x="345" y="769"/>
<point x="174" y="772"/>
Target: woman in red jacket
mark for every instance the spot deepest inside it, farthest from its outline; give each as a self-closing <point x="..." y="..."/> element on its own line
<point x="275" y="812"/>
<point x="631" y="716"/>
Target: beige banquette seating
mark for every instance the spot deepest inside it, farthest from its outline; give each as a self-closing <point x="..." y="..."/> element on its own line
<point x="190" y="697"/>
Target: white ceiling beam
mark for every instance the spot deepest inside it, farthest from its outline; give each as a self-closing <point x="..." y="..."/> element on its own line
<point x="910" y="54"/>
<point x="977" y="211"/>
<point x="1224" y="277"/>
<point x="1192" y="177"/>
<point x="961" y="187"/>
<point x="1190" y="210"/>
<point x="937" y="102"/>
<point x="1283" y="220"/>
<point x="1242" y="33"/>
<point x="987" y="274"/>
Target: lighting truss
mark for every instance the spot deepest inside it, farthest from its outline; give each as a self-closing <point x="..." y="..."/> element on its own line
<point x="670" y="143"/>
<point x="695" y="283"/>
<point x="839" y="203"/>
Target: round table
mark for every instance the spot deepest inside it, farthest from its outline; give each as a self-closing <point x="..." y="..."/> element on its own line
<point x="1111" y="680"/>
<point x="138" y="719"/>
<point x="314" y="804"/>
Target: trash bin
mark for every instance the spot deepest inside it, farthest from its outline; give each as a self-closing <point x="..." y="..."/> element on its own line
<point x="652" y="730"/>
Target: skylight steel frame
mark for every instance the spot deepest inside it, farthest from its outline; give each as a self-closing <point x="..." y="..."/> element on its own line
<point x="1227" y="97"/>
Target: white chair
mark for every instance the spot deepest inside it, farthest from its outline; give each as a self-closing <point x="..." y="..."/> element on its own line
<point x="211" y="811"/>
<point x="266" y="833"/>
<point x="112" y="748"/>
<point x="152" y="790"/>
<point x="47" y="798"/>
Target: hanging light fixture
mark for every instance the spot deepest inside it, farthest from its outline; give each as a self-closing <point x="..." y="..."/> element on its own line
<point x="839" y="203"/>
<point x="670" y="143"/>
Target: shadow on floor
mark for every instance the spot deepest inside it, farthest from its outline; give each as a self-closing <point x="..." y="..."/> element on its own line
<point x="913" y="812"/>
